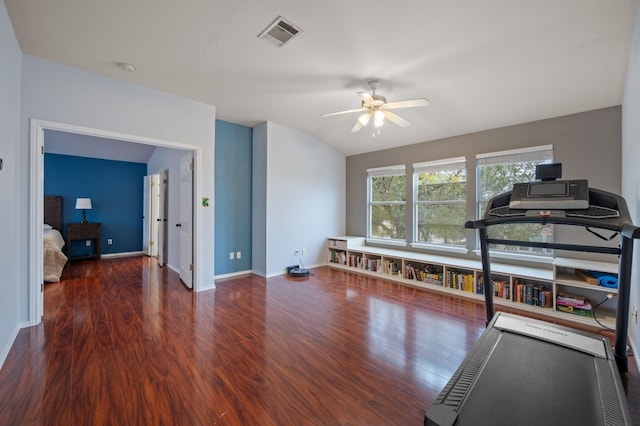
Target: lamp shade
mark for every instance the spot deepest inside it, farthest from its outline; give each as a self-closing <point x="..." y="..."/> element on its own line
<point x="83" y="203"/>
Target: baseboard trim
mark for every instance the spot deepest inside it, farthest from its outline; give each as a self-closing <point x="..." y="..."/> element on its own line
<point x="173" y="268"/>
<point x="233" y="274"/>
<point x="9" y="344"/>
<point x="123" y="254"/>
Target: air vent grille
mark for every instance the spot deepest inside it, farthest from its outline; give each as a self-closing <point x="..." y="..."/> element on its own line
<point x="279" y="32"/>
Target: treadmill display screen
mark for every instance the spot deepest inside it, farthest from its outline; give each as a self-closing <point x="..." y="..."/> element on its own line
<point x="540" y="189"/>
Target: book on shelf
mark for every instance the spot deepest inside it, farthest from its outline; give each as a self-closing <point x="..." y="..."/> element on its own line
<point x="460" y="281"/>
<point x="571" y="300"/>
<point x="374" y="265"/>
<point x="574" y="304"/>
<point x="424" y="273"/>
<point x="389" y="267"/>
<point x="575" y="310"/>
<point x="534" y="294"/>
<point x="339" y="257"/>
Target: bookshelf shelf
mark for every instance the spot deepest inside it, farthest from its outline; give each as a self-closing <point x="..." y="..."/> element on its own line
<point x="463" y="278"/>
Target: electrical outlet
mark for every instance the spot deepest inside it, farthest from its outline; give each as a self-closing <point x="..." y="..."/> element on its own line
<point x="296" y="253"/>
<point x="88" y="243"/>
<point x="231" y="254"/>
<point x="238" y="254"/>
<point x="109" y="241"/>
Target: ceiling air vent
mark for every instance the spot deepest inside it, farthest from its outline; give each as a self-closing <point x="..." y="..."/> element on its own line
<point x="279" y="32"/>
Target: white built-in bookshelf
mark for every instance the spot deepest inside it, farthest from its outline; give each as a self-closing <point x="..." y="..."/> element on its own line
<point x="557" y="290"/>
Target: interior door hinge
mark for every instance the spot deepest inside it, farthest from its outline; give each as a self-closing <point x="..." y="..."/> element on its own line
<point x="42" y="149"/>
<point x="191" y="166"/>
<point x="191" y="266"/>
<point x="41" y="287"/>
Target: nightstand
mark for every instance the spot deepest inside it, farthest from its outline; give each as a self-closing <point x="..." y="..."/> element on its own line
<point x="84" y="231"/>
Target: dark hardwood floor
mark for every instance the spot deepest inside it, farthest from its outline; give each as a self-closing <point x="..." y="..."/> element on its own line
<point x="123" y="342"/>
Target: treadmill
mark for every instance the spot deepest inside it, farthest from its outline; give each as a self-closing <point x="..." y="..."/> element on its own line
<point x="529" y="372"/>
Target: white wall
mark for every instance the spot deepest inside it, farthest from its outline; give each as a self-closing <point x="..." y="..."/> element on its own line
<point x="305" y="196"/>
<point x="10" y="212"/>
<point x="59" y="93"/>
<point x="630" y="169"/>
<point x="169" y="159"/>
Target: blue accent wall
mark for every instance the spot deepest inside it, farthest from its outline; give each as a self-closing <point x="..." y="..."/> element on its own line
<point x="233" y="164"/>
<point x="116" y="192"/>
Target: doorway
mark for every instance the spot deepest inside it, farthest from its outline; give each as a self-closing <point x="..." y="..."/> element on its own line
<point x="36" y="190"/>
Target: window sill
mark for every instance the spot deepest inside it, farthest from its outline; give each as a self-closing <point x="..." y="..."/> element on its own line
<point x="547" y="260"/>
<point x="386" y="242"/>
<point x="437" y="247"/>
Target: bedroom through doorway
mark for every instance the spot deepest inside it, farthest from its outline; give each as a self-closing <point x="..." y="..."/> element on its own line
<point x="111" y="142"/>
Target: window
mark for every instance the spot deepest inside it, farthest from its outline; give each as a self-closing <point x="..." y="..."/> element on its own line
<point x="496" y="174"/>
<point x="440" y="202"/>
<point x="387" y="188"/>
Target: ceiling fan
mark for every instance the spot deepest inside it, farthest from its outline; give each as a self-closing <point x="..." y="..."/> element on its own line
<point x="376" y="106"/>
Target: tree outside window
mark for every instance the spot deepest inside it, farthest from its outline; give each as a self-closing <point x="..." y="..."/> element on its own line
<point x="497" y="172"/>
<point x="387" y="203"/>
<point x="440" y="202"/>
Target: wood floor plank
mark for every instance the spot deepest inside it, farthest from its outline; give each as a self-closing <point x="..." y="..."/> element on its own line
<point x="124" y="342"/>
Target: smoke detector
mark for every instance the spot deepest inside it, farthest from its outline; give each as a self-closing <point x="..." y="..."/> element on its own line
<point x="279" y="32"/>
<point x="126" y="67"/>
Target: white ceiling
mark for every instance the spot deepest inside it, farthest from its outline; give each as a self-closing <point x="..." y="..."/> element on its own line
<point x="482" y="64"/>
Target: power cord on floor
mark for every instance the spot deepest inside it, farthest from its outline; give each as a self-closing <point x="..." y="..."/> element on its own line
<point x="609" y="296"/>
<point x="302" y="264"/>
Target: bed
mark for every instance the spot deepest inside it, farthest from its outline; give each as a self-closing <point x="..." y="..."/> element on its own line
<point x="53" y="242"/>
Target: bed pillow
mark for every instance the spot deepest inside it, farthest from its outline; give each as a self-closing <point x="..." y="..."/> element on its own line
<point x="45" y="226"/>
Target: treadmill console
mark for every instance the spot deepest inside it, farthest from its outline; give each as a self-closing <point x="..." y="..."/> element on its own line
<point x="550" y="195"/>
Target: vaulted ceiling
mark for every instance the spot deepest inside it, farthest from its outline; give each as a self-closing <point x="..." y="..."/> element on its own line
<point x="482" y="64"/>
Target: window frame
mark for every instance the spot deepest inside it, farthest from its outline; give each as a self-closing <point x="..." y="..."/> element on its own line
<point x="454" y="163"/>
<point x="530" y="154"/>
<point x="396" y="170"/>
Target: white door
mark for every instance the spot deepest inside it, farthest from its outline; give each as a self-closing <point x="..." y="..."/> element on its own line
<point x="150" y="215"/>
<point x="162" y="219"/>
<point x="186" y="219"/>
<point x="155" y="214"/>
<point x="146" y="216"/>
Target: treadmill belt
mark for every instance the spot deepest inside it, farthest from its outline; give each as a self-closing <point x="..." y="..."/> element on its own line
<point x="527" y="381"/>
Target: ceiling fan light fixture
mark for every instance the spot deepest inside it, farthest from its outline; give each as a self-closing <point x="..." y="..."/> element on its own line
<point x="376" y="106"/>
<point x="378" y="118"/>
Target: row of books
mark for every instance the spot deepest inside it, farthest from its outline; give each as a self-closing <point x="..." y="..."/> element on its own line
<point x="501" y="289"/>
<point x="371" y="264"/>
<point x="573" y="304"/>
<point x="425" y="273"/>
<point x="338" y="257"/>
<point x="461" y="281"/>
<point x="532" y="294"/>
<point x="527" y="293"/>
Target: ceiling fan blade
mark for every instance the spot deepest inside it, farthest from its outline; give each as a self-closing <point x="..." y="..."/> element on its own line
<point x="411" y="103"/>
<point x="367" y="99"/>
<point x="396" y="119"/>
<point x="343" y="112"/>
<point x="363" y="120"/>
